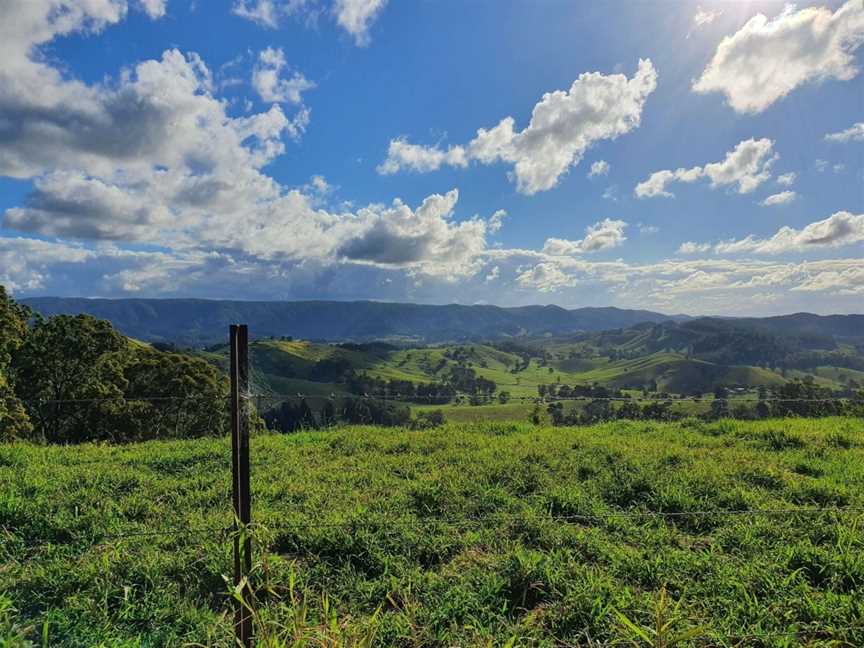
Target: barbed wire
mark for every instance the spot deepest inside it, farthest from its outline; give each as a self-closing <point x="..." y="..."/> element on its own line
<point x="438" y="400"/>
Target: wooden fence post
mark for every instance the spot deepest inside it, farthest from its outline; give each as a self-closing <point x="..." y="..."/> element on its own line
<point x="241" y="495"/>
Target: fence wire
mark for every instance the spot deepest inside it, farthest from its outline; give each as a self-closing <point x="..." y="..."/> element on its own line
<point x="273" y="396"/>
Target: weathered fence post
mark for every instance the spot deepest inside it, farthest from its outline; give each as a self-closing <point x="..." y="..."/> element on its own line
<point x="242" y="497"/>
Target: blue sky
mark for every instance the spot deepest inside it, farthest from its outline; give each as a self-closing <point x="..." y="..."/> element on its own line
<point x="685" y="157"/>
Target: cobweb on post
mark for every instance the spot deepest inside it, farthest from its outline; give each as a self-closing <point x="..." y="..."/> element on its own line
<point x="261" y="394"/>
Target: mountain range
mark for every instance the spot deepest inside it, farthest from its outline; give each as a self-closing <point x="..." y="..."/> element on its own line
<point x="200" y="322"/>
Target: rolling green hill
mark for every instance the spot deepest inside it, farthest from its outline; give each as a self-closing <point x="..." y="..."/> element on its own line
<point x="304" y="367"/>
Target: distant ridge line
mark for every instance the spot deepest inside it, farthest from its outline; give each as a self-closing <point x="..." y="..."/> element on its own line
<point x="202" y="322"/>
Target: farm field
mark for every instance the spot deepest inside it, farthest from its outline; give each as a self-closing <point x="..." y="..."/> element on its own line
<point x="465" y="535"/>
<point x="281" y="365"/>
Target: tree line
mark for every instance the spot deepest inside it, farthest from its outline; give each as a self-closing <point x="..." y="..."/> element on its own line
<point x="70" y="379"/>
<point x="797" y="398"/>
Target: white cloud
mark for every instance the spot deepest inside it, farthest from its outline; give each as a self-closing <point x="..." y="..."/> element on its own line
<point x="849" y="281"/>
<point x="787" y="179"/>
<point x="268" y="82"/>
<point x="691" y="247"/>
<point x="748" y="165"/>
<point x="403" y="155"/>
<point x="602" y="235"/>
<point x="599" y="168"/>
<point x="564" y="124"/>
<point x="160" y="114"/>
<point x="154" y="158"/>
<point x="153" y="8"/>
<point x="855" y="133"/>
<point x="611" y="193"/>
<point x="319" y="185"/>
<point x="263" y="12"/>
<point x="768" y="58"/>
<point x="840" y="229"/>
<point x="704" y="17"/>
<point x="424" y="239"/>
<point x="356" y="17"/>
<point x="648" y="229"/>
<point x="496" y="221"/>
<point x="26" y="264"/>
<point x="839" y="167"/>
<point x="820" y="165"/>
<point x="545" y="277"/>
<point x="782" y="198"/>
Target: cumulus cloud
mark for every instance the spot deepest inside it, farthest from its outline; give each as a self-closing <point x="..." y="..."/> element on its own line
<point x="154" y="8"/>
<point x="154" y="158"/>
<point x="781" y="198"/>
<point x="545" y="277"/>
<point x="563" y="125"/>
<point x="840" y="229"/>
<point x="401" y="154"/>
<point x="768" y="58"/>
<point x="702" y="285"/>
<point x="855" y="133"/>
<point x="425" y="238"/>
<point x="603" y="235"/>
<point x="787" y="179"/>
<point x="748" y="165"/>
<point x="356" y="17"/>
<point x="599" y="168"/>
<point x="26" y="264"/>
<point x="268" y="82"/>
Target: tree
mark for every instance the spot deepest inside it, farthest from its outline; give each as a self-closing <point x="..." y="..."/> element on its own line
<point x="14" y="422"/>
<point x="629" y="410"/>
<point x="328" y="414"/>
<point x="720" y="404"/>
<point x="13" y="327"/>
<point x="69" y="374"/>
<point x="172" y="395"/>
<point x="428" y="420"/>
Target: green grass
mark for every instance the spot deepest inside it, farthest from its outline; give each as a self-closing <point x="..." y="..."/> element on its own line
<point x="516" y="411"/>
<point x="275" y="361"/>
<point x="467" y="535"/>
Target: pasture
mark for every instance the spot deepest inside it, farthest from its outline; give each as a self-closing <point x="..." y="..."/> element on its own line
<point x="719" y="534"/>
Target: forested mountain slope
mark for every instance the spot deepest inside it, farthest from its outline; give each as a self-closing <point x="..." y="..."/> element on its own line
<point x="202" y="322"/>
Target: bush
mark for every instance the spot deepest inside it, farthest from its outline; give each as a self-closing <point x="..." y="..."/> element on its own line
<point x="428" y="420"/>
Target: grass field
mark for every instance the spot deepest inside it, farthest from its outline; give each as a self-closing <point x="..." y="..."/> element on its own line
<point x="279" y="365"/>
<point x="467" y="535"/>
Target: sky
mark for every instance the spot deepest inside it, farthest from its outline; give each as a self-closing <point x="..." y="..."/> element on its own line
<point x="684" y="157"/>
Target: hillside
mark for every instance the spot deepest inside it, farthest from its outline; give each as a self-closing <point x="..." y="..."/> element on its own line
<point x="468" y="535"/>
<point x="304" y="367"/>
<point x="199" y="322"/>
<point x="770" y="342"/>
